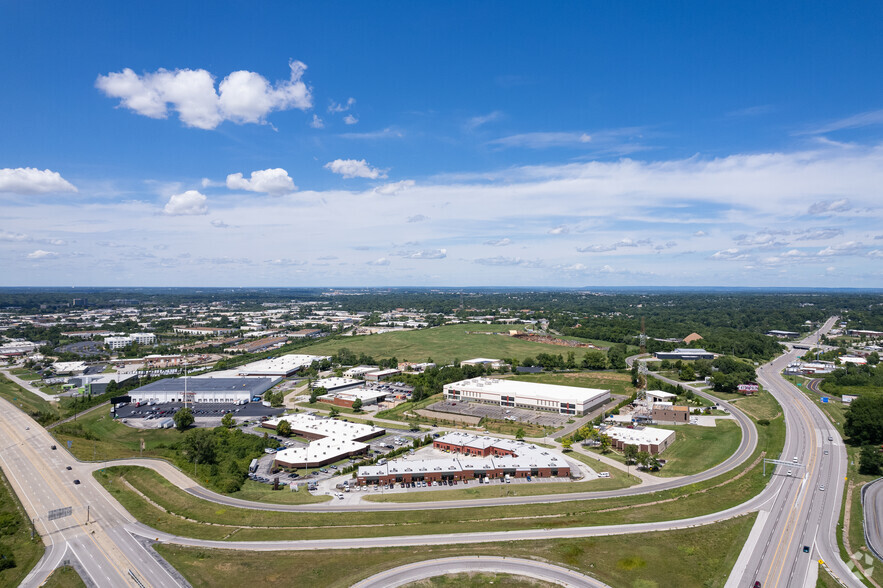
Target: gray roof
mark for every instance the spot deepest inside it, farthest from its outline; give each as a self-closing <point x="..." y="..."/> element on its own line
<point x="253" y="385"/>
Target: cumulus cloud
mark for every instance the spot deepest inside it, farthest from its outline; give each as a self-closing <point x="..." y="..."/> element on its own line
<point x="509" y="261"/>
<point x="274" y="182"/>
<point x="241" y="97"/>
<point x="317" y="123"/>
<point x="576" y="267"/>
<point x="335" y="108"/>
<point x="380" y="261"/>
<point x="819" y="234"/>
<point x="30" y="180"/>
<point x="731" y="254"/>
<point x="354" y="168"/>
<point x="875" y="253"/>
<point x="219" y="224"/>
<point x="394" y="187"/>
<point x="699" y="234"/>
<point x="418" y="218"/>
<point x="759" y="239"/>
<point x="190" y="202"/>
<point x="426" y="254"/>
<point x="285" y="262"/>
<point x="40" y="254"/>
<point x="848" y="248"/>
<point x="559" y="230"/>
<point x="350" y="119"/>
<point x="7" y="236"/>
<point x="499" y="242"/>
<point x="824" y="207"/>
<point x="614" y="246"/>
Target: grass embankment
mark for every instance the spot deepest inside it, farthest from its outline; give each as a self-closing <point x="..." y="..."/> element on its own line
<point x="700" y="557"/>
<point x="64" y="577"/>
<point x="760" y="406"/>
<point x="720" y="493"/>
<point x="497" y="489"/>
<point x="443" y="344"/>
<point x="477" y="579"/>
<point x="697" y="449"/>
<point x="41" y="410"/>
<point x="258" y="492"/>
<point x="17" y="549"/>
<point x="97" y="436"/>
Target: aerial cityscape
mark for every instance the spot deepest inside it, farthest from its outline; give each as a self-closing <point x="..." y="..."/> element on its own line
<point x="452" y="294"/>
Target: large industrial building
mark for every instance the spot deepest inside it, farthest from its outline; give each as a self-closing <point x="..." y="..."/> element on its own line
<point x="331" y="440"/>
<point x="282" y="366"/>
<point x="647" y="439"/>
<point x="482" y="457"/>
<point x="685" y="354"/>
<point x="561" y="399"/>
<point x="126" y="340"/>
<point x="199" y="390"/>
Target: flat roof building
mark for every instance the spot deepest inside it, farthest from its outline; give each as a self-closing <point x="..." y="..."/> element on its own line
<point x="360" y="370"/>
<point x="221" y="390"/>
<point x="685" y="354"/>
<point x="646" y="439"/>
<point x="561" y="399"/>
<point x="331" y="440"/>
<point x="378" y="375"/>
<point x="348" y="397"/>
<point x="282" y="366"/>
<point x="337" y="384"/>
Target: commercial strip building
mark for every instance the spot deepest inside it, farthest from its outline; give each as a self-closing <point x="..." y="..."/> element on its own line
<point x="570" y="400"/>
<point x="199" y="390"/>
<point x="379" y="375"/>
<point x="647" y="439"/>
<point x="331" y="440"/>
<point x="337" y="384"/>
<point x="684" y="354"/>
<point x="483" y="457"/>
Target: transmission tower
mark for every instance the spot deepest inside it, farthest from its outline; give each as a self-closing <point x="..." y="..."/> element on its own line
<point x="643" y="337"/>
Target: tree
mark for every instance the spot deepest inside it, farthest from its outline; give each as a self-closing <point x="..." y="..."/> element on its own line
<point x="616" y="356"/>
<point x="687" y="373"/>
<point x="334" y="412"/>
<point x="631" y="453"/>
<point x="519" y="434"/>
<point x="871" y="461"/>
<point x="566" y="443"/>
<point x="183" y="418"/>
<point x="283" y="428"/>
<point x="595" y="360"/>
<point x="873" y="358"/>
<point x="199" y="444"/>
<point x="605" y="444"/>
<point x="228" y="421"/>
<point x="643" y="458"/>
<point x="315" y="393"/>
<point x="357" y="405"/>
<point x="864" y="420"/>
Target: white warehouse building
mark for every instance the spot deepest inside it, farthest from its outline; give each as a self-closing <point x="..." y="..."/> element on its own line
<point x="530" y="395"/>
<point x="124" y="341"/>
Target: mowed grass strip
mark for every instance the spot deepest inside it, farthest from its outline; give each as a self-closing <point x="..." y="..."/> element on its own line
<point x="64" y="577"/>
<point x="207" y="520"/>
<point x="697" y="449"/>
<point x="443" y="344"/>
<point x="688" y="558"/>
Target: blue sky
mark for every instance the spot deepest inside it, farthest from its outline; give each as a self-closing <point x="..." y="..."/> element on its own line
<point x="494" y="143"/>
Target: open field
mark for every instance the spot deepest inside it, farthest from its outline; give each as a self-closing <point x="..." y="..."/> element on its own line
<point x="760" y="406"/>
<point x="26" y="401"/>
<point x="698" y="448"/>
<point x="700" y="557"/>
<point x="474" y="580"/>
<point x="258" y="492"/>
<point x="15" y="537"/>
<point x="722" y="492"/>
<point x="64" y="577"/>
<point x="443" y="344"/>
<point x="616" y="382"/>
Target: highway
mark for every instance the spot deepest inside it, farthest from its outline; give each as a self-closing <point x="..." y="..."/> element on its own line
<point x="95" y="532"/>
<point x="430" y="568"/>
<point x="872" y="505"/>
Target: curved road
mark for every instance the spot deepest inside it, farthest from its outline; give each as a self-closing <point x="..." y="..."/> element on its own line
<point x="431" y="568"/>
<point x="872" y="505"/>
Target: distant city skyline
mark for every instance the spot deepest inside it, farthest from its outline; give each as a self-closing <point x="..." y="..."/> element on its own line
<point x="450" y="144"/>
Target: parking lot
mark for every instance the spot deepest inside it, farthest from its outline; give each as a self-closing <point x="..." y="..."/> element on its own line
<point x="499" y="413"/>
<point x="206" y="414"/>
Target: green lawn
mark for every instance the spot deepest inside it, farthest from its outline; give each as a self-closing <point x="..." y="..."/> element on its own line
<point x="616" y="382"/>
<point x="41" y="410"/>
<point x="696" y="448"/>
<point x="64" y="577"/>
<point x="258" y="492"/>
<point x="714" y="495"/>
<point x="443" y="344"/>
<point x="760" y="406"/>
<point x="701" y="557"/>
<point x="15" y="537"/>
<point x="476" y="579"/>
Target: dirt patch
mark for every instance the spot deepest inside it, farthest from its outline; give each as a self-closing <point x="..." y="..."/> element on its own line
<point x="449" y="416"/>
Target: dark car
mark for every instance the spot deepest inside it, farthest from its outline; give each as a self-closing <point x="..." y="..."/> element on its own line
<point x="76" y="481"/>
<point x="68" y="468"/>
<point x="53" y="448"/>
<point x="806" y="549"/>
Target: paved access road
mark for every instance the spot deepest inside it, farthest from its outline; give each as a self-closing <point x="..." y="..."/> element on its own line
<point x="28" y="386"/>
<point x="872" y="505"/>
<point x="94" y="534"/>
<point x="414" y="572"/>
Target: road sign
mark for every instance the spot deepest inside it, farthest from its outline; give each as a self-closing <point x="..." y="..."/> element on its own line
<point x="60" y="513"/>
<point x="69" y="443"/>
<point x="825" y="399"/>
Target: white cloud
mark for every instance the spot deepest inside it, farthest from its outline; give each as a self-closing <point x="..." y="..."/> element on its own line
<point x="387" y="133"/>
<point x="285" y="262"/>
<point x="627" y="242"/>
<point x="848" y="248"/>
<point x="576" y="267"/>
<point x="499" y="242"/>
<point x="394" y="187"/>
<point x="863" y="119"/>
<point x="543" y="140"/>
<point x="40" y="254"/>
<point x="219" y="224"/>
<point x="30" y="180"/>
<point x="190" y="202"/>
<point x="477" y="121"/>
<point x="875" y="253"/>
<point x="381" y="261"/>
<point x="317" y="123"/>
<point x="732" y="254"/>
<point x="242" y="97"/>
<point x="350" y="119"/>
<point x="509" y="261"/>
<point x="427" y="254"/>
<point x="759" y="239"/>
<point x="418" y="218"/>
<point x="274" y="182"/>
<point x="559" y="230"/>
<point x="7" y="236"/>
<point x="699" y="234"/>
<point x="334" y="107"/>
<point x="354" y="168"/>
<point x="819" y="234"/>
<point x="209" y="183"/>
<point x="830" y="206"/>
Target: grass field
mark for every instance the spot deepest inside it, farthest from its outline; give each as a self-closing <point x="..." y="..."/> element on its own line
<point x="443" y="344"/>
<point x="64" y="577"/>
<point x="474" y="580"/>
<point x="617" y="383"/>
<point x="696" y="448"/>
<point x="701" y="557"/>
<point x="24" y="400"/>
<point x="760" y="406"/>
<point x="15" y="537"/>
<point x="224" y="523"/>
<point x="264" y="493"/>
